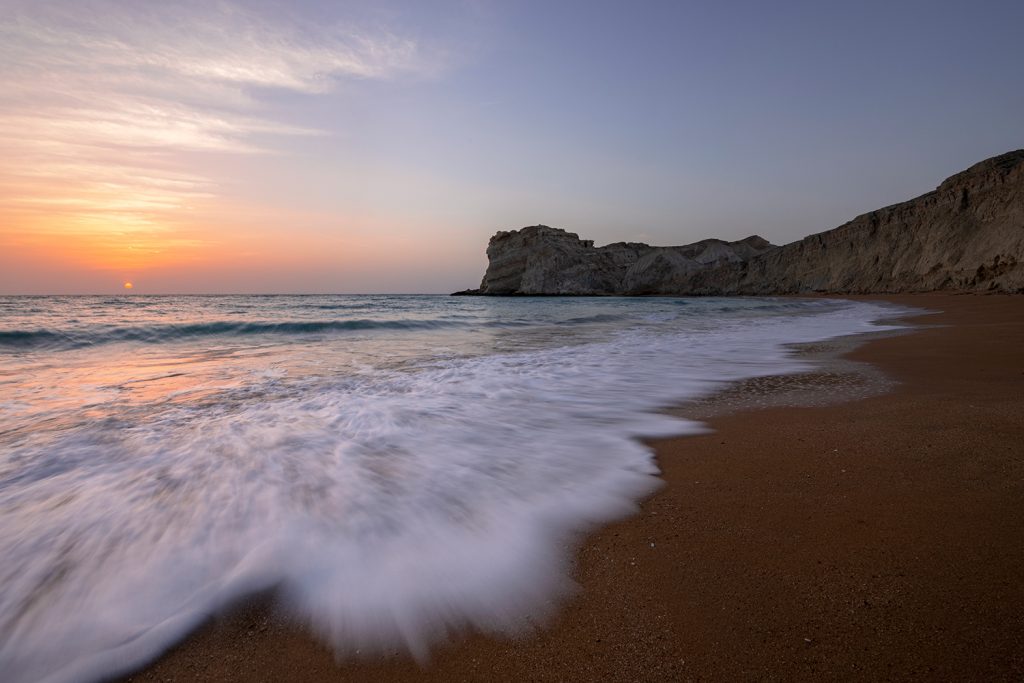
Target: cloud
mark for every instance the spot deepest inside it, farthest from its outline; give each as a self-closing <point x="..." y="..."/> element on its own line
<point x="103" y="100"/>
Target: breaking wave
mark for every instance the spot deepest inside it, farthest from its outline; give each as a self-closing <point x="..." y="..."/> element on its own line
<point x="385" y="508"/>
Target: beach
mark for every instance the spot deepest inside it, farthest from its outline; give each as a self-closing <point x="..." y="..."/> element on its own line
<point x="864" y="540"/>
<point x="502" y="341"/>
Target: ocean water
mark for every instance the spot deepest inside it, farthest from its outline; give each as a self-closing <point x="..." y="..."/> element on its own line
<point x="393" y="467"/>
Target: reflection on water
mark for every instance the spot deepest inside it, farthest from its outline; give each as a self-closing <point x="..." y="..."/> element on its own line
<point x="79" y="364"/>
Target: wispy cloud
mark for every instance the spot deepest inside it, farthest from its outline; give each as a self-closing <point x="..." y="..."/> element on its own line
<point x="101" y="100"/>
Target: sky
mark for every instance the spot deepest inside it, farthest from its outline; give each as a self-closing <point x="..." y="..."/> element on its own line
<point x="374" y="147"/>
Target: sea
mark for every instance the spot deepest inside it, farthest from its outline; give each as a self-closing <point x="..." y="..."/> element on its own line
<point x="390" y="468"/>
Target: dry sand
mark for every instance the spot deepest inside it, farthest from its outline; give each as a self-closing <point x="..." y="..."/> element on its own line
<point x="878" y="539"/>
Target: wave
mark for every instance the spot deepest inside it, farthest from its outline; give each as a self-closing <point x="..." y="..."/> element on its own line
<point x="386" y="510"/>
<point x="47" y="339"/>
<point x="156" y="334"/>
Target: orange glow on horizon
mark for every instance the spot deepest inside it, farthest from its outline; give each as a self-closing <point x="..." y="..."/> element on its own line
<point x="229" y="247"/>
<point x="127" y="153"/>
<point x="98" y="245"/>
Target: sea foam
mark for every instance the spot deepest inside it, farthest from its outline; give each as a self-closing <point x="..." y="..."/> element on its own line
<point x="385" y="508"/>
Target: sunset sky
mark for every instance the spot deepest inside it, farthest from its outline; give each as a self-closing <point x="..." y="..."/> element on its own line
<point x="375" y="147"/>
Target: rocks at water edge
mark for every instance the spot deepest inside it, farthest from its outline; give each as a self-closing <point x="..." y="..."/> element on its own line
<point x="544" y="260"/>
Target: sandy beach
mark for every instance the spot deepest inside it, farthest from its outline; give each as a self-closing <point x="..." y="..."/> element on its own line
<point x="878" y="539"/>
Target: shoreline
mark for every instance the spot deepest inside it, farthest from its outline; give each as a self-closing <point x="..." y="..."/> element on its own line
<point x="850" y="540"/>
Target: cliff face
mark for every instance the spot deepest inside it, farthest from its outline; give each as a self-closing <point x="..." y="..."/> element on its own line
<point x="966" y="235"/>
<point x="543" y="260"/>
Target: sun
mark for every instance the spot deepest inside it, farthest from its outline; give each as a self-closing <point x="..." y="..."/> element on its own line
<point x="128" y="285"/>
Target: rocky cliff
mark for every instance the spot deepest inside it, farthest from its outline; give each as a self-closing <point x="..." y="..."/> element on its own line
<point x="966" y="235"/>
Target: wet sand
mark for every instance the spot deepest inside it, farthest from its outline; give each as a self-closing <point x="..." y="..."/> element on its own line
<point x="878" y="539"/>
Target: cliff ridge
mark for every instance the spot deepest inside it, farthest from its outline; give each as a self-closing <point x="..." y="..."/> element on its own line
<point x="966" y="235"/>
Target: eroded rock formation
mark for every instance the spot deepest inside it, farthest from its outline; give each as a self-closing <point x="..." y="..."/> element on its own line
<point x="544" y="260"/>
<point x="966" y="235"/>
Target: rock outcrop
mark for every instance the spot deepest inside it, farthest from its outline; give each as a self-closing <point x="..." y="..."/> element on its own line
<point x="544" y="260"/>
<point x="967" y="235"/>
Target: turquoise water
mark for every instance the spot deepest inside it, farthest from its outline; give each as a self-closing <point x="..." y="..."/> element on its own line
<point x="394" y="467"/>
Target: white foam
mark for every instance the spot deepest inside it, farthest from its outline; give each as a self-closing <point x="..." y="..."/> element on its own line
<point x="387" y="508"/>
